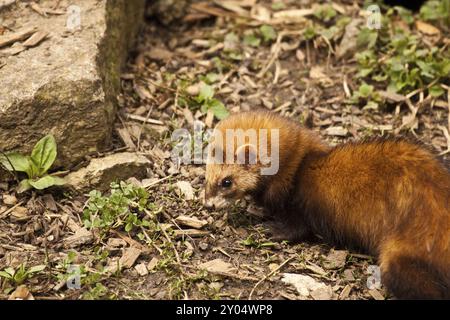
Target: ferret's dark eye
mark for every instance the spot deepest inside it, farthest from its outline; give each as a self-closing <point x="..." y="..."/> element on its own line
<point x="227" y="182"/>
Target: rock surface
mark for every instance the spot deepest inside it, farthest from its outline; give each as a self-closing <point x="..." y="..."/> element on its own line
<point x="67" y="83"/>
<point x="102" y="171"/>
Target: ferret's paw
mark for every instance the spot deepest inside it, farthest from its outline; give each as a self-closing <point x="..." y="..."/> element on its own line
<point x="277" y="232"/>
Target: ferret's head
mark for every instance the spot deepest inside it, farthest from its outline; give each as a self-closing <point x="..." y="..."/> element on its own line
<point x="226" y="183"/>
<point x="237" y="156"/>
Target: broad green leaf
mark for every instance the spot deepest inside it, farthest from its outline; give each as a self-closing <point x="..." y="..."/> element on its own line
<point x="19" y="162"/>
<point x="365" y="90"/>
<point x="219" y="110"/>
<point x="24" y="185"/>
<point x="44" y="154"/>
<point x="436" y="91"/>
<point x="58" y="181"/>
<point x="212" y="77"/>
<point x="325" y="12"/>
<point x="35" y="269"/>
<point x="10" y="271"/>
<point x="309" y="33"/>
<point x="43" y="183"/>
<point x="5" y="275"/>
<point x="367" y="38"/>
<point x="206" y="93"/>
<point x="371" y="105"/>
<point x="268" y="32"/>
<point x="252" y="40"/>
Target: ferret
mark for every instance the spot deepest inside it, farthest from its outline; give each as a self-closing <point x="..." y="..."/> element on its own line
<point x="387" y="197"/>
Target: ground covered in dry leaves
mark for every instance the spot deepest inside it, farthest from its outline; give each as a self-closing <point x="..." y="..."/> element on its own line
<point x="153" y="239"/>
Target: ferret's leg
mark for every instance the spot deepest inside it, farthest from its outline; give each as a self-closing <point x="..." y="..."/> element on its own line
<point x="407" y="276"/>
<point x="282" y="230"/>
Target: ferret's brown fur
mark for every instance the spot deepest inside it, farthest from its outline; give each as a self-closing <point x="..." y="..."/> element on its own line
<point x="389" y="197"/>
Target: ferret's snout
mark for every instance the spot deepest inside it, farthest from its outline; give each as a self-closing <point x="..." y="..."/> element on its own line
<point x="215" y="203"/>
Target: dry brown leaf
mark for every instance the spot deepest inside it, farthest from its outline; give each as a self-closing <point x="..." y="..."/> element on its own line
<point x="21" y="293"/>
<point x="427" y="28"/>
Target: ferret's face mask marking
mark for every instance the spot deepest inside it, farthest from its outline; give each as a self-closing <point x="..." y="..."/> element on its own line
<point x="226" y="183"/>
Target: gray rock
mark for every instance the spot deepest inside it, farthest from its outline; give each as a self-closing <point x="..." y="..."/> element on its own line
<point x="67" y="84"/>
<point x="102" y="171"/>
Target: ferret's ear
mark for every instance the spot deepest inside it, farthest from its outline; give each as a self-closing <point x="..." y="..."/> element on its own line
<point x="246" y="154"/>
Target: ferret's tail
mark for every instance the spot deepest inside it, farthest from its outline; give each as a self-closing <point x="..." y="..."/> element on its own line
<point x="408" y="275"/>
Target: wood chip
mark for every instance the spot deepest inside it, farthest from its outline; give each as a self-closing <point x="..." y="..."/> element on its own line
<point x="70" y="223"/>
<point x="129" y="257"/>
<point x="191" y="222"/>
<point x="186" y="189"/>
<point x="141" y="269"/>
<point x="217" y="266"/>
<point x="345" y="292"/>
<point x="335" y="259"/>
<point x="81" y="236"/>
<point x="35" y="39"/>
<point x="308" y="286"/>
<point x="337" y="131"/>
<point x="292" y="16"/>
<point x="11" y="38"/>
<point x="191" y="233"/>
<point x="152" y="264"/>
<point x="376" y="294"/>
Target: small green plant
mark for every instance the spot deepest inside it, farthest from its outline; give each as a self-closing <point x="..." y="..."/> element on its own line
<point x="21" y="274"/>
<point x="99" y="291"/>
<point x="325" y="12"/>
<point x="436" y="10"/>
<point x="207" y="102"/>
<point x="35" y="166"/>
<point x="268" y="33"/>
<point x="254" y="242"/>
<point x="366" y="93"/>
<point x="124" y="207"/>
